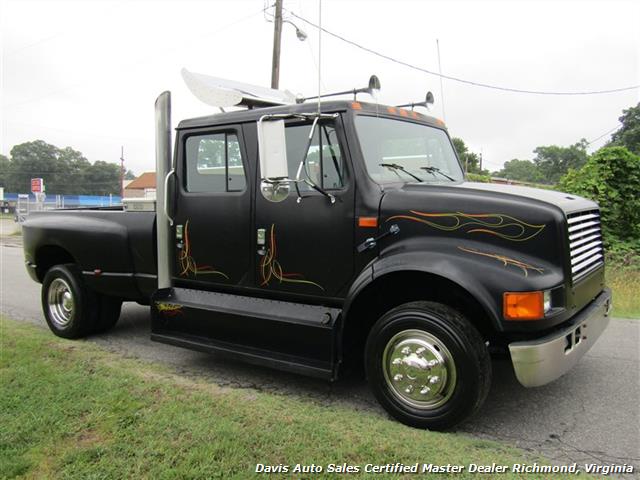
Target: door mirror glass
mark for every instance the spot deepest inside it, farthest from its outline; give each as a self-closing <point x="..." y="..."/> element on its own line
<point x="275" y="191"/>
<point x="272" y="148"/>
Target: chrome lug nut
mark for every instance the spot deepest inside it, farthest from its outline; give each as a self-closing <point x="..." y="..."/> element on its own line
<point x="421" y="350"/>
<point x="405" y="351"/>
<point x="397" y="361"/>
<point x="435" y="379"/>
<point x="397" y="377"/>
<point x="425" y="390"/>
<point x="409" y="389"/>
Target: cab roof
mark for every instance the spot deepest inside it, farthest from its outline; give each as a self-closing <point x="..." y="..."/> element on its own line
<point x="334" y="106"/>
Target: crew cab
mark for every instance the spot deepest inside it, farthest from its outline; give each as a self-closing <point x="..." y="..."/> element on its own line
<point x="320" y="241"/>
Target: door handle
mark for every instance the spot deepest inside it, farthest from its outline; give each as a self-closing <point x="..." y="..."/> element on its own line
<point x="261" y="240"/>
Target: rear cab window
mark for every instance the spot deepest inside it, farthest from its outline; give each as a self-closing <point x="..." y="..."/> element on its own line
<point x="214" y="164"/>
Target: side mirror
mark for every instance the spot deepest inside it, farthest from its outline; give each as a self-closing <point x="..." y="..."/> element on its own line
<point x="274" y="169"/>
<point x="274" y="191"/>
<point x="272" y="148"/>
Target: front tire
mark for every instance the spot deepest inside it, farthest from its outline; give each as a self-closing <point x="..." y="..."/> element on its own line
<point x="427" y="365"/>
<point x="70" y="309"/>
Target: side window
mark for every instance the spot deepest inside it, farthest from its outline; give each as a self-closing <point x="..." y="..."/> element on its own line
<point x="325" y="166"/>
<point x="214" y="163"/>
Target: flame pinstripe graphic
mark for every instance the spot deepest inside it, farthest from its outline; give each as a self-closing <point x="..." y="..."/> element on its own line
<point x="497" y="224"/>
<point x="188" y="263"/>
<point x="270" y="267"/>
<point x="525" y="267"/>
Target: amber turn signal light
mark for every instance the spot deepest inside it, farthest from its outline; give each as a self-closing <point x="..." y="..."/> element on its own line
<point x="523" y="305"/>
<point x="371" y="222"/>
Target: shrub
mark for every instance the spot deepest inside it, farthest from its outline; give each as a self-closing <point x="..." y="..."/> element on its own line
<point x="611" y="177"/>
<point x="476" y="177"/>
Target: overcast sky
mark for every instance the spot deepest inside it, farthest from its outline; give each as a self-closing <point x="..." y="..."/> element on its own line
<point x="85" y="74"/>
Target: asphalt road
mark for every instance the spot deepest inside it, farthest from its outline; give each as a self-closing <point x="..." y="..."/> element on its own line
<point x="591" y="415"/>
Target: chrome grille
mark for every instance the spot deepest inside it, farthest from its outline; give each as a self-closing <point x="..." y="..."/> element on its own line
<point x="585" y="242"/>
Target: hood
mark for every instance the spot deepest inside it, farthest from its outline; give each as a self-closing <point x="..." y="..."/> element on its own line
<point x="568" y="203"/>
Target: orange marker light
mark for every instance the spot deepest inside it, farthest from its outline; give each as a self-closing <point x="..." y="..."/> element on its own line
<point x="371" y="222"/>
<point x="392" y="110"/>
<point x="404" y="113"/>
<point x="523" y="305"/>
<point x="356" y="105"/>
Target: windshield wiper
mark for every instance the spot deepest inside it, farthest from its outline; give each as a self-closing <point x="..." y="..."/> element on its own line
<point x="395" y="166"/>
<point x="434" y="170"/>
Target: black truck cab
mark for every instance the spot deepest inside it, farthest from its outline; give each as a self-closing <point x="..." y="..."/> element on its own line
<point x="368" y="248"/>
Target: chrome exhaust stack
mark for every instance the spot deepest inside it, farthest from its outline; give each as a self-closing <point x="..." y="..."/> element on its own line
<point x="164" y="171"/>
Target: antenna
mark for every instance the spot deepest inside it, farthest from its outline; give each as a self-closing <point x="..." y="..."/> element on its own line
<point x="121" y="172"/>
<point x="319" y="52"/>
<point x="444" y="117"/>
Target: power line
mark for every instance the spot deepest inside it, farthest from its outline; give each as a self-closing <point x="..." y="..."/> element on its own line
<point x="604" y="134"/>
<point x="457" y="79"/>
<point x="130" y="64"/>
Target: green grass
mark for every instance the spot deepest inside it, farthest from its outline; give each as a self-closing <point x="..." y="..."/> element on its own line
<point x="72" y="410"/>
<point x="625" y="286"/>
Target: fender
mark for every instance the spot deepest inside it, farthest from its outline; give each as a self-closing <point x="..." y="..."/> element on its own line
<point x="61" y="230"/>
<point x="484" y="275"/>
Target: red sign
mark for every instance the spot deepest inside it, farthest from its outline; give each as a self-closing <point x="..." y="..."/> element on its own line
<point x="37" y="185"/>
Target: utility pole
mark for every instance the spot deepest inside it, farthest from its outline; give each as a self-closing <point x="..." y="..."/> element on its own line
<point x="277" y="34"/>
<point x="121" y="173"/>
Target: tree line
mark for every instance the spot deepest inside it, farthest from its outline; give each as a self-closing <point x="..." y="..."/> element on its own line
<point x="551" y="162"/>
<point x="65" y="171"/>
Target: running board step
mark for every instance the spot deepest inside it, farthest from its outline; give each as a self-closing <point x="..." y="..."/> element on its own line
<point x="289" y="336"/>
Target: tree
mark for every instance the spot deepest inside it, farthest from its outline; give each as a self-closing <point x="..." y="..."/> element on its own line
<point x="4" y="170"/>
<point x="65" y="171"/>
<point x="470" y="161"/>
<point x="611" y="177"/>
<point x="103" y="178"/>
<point x="522" y="170"/>
<point x="629" y="134"/>
<point x="554" y="161"/>
<point x="129" y="175"/>
<point x="34" y="160"/>
<point x="76" y="166"/>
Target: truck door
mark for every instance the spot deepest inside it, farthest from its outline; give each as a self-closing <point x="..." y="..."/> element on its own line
<point x="213" y="210"/>
<point x="306" y="246"/>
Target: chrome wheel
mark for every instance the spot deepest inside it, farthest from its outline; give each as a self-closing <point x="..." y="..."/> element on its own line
<point x="419" y="369"/>
<point x="61" y="303"/>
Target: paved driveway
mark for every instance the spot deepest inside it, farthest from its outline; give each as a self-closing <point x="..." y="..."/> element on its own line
<point x="590" y="415"/>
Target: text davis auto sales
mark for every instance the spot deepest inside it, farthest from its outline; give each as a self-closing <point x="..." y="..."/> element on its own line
<point x="420" y="468"/>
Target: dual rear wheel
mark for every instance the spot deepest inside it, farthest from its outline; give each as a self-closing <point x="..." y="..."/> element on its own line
<point x="71" y="309"/>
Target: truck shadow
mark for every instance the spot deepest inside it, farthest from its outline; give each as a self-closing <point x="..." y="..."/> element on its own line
<point x="132" y="333"/>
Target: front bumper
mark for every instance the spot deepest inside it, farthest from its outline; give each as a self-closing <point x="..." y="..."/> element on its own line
<point x="540" y="361"/>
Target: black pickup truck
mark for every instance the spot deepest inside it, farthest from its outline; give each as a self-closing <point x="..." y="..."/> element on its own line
<point x="318" y="242"/>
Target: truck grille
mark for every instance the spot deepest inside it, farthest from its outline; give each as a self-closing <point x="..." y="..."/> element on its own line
<point x="585" y="242"/>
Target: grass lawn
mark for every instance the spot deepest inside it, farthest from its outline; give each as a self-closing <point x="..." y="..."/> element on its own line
<point x="625" y="285"/>
<point x="70" y="409"/>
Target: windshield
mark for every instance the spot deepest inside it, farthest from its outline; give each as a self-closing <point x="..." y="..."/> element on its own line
<point x="395" y="150"/>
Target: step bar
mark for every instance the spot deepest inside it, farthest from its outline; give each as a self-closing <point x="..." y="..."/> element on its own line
<point x="288" y="336"/>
